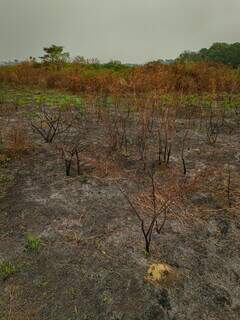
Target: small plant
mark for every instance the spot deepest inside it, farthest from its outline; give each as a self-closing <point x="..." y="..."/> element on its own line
<point x="151" y="207"/>
<point x="213" y="126"/>
<point x="4" y="159"/>
<point x="69" y="152"/>
<point x="6" y="269"/>
<point x="228" y="191"/>
<point x="83" y="179"/>
<point x="32" y="242"/>
<point x="166" y="130"/>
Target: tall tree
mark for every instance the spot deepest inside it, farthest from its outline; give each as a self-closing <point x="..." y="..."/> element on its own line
<point x="54" y="55"/>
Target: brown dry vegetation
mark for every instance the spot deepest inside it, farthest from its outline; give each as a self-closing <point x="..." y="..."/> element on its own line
<point x="183" y="78"/>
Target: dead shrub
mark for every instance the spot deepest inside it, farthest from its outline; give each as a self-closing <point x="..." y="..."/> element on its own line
<point x="51" y="122"/>
<point x="153" y="204"/>
<point x="70" y="152"/>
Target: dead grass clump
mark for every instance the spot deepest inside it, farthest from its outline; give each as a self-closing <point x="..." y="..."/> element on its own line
<point x="16" y="140"/>
<point x="161" y="273"/>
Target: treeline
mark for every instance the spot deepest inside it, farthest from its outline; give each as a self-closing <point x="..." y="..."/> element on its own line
<point x="56" y="71"/>
<point x="219" y="52"/>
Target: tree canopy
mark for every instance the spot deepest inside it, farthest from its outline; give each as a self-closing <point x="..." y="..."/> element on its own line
<point x="55" y="55"/>
<point x="220" y="52"/>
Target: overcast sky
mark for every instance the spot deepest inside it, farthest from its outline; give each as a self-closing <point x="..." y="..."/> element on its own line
<point x="128" y="30"/>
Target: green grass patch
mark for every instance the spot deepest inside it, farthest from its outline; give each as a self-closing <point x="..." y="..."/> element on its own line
<point x="33" y="243"/>
<point x="6" y="269"/>
<point x="24" y="97"/>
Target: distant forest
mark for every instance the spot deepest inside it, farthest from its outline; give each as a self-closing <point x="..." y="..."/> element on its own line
<point x="220" y="52"/>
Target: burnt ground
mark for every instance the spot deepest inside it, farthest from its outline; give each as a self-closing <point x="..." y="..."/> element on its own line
<point x="91" y="263"/>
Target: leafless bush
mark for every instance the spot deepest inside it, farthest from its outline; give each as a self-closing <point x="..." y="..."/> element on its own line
<point x="189" y="125"/>
<point x="152" y="206"/>
<point x="214" y="123"/>
<point x="115" y="120"/>
<point x="51" y="122"/>
<point x="143" y="136"/>
<point x="70" y="153"/>
<point x="165" y="134"/>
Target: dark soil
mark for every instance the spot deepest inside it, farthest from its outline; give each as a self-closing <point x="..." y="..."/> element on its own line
<point x="91" y="263"/>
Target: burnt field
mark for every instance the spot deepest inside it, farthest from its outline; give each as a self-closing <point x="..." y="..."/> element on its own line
<point x="121" y="207"/>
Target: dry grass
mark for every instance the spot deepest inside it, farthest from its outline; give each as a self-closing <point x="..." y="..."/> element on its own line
<point x="16" y="139"/>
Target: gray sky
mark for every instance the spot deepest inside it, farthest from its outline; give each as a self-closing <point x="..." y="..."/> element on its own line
<point x="127" y="30"/>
